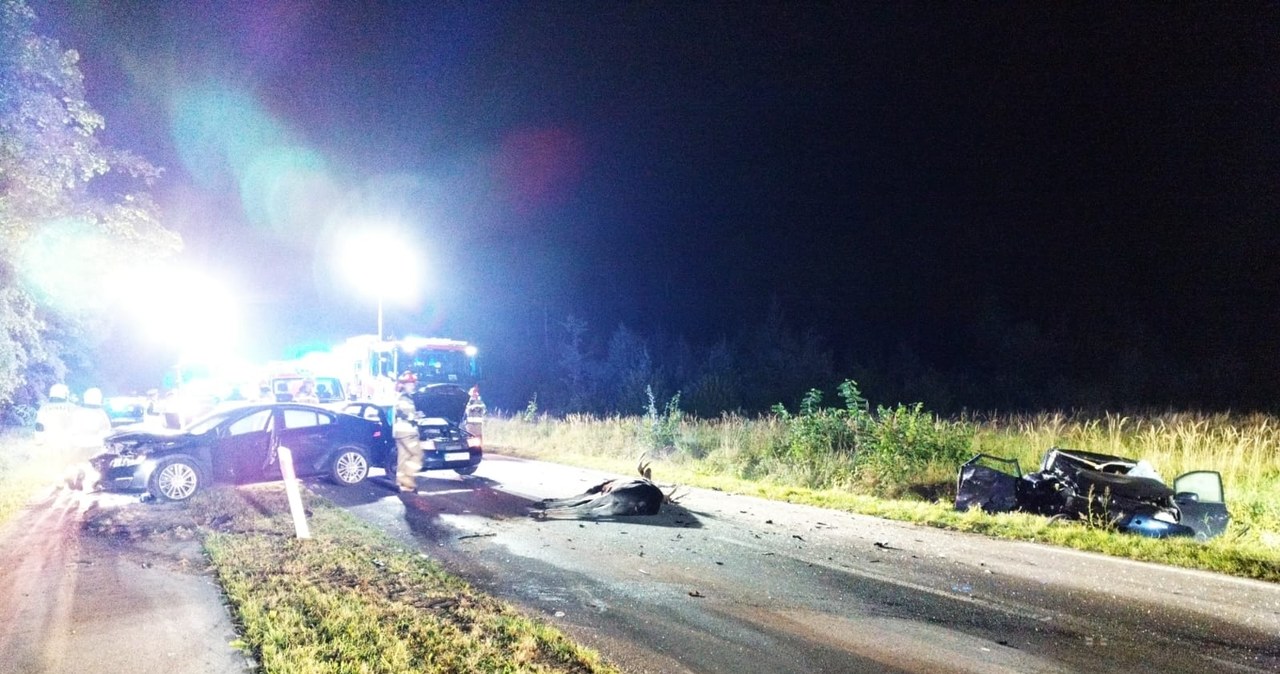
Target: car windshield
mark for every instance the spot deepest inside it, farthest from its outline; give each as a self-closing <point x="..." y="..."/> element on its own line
<point x="207" y="423"/>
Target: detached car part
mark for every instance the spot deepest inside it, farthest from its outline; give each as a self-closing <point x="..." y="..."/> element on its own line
<point x="1118" y="491"/>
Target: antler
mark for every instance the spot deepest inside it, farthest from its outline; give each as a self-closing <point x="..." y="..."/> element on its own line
<point x="643" y="467"/>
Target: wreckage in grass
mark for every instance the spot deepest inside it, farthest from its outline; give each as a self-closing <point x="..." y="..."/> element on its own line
<point x="1110" y="490"/>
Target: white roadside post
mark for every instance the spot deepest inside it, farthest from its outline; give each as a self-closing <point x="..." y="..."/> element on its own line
<point x="292" y="493"/>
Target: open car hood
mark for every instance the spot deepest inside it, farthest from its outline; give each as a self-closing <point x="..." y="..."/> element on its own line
<point x="448" y="401"/>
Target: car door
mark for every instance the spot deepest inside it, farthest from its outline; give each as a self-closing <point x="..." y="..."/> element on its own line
<point x="243" y="450"/>
<point x="1200" y="498"/>
<point x="381" y="445"/>
<point x="309" y="434"/>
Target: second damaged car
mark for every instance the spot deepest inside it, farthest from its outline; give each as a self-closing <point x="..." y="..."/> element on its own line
<point x="1114" y="491"/>
<point x="238" y="445"/>
<point x="439" y="418"/>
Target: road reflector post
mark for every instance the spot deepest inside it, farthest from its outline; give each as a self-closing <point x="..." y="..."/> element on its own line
<point x="292" y="493"/>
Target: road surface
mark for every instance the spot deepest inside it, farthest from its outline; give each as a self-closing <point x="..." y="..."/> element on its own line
<point x="102" y="583"/>
<point x="727" y="583"/>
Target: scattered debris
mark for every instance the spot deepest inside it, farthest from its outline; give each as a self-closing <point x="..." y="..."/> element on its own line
<point x="695" y="593"/>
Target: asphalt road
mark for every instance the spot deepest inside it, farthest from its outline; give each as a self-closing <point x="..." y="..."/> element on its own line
<point x="727" y="583"/>
<point x="88" y="585"/>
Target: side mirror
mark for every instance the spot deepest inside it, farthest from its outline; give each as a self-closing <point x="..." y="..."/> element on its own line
<point x="1186" y="497"/>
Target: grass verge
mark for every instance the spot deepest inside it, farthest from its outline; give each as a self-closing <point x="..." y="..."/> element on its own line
<point x="351" y="601"/>
<point x="26" y="468"/>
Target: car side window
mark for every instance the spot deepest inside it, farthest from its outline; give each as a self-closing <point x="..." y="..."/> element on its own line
<point x="304" y="418"/>
<point x="254" y="422"/>
<point x="372" y="413"/>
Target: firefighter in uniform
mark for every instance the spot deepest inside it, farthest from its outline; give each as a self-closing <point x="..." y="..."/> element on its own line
<point x="55" y="420"/>
<point x="475" y="412"/>
<point x="91" y="422"/>
<point x="408" y="448"/>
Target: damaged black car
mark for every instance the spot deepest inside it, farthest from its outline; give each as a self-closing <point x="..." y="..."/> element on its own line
<point x="1111" y="490"/>
<point x="236" y="445"/>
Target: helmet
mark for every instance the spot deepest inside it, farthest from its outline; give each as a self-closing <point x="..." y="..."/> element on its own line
<point x="59" y="392"/>
<point x="93" y="397"/>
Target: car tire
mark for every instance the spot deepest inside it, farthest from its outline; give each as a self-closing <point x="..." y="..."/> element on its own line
<point x="466" y="470"/>
<point x="349" y="467"/>
<point x="175" y="478"/>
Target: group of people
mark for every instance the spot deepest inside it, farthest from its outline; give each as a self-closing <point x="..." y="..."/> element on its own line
<point x="63" y="423"/>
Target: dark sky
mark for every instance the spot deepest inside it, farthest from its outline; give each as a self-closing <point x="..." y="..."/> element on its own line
<point x="886" y="171"/>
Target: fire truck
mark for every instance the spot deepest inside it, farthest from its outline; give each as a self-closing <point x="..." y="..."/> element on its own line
<point x="376" y="366"/>
<point x="436" y="374"/>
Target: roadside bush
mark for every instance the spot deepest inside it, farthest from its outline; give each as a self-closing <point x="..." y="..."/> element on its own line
<point x="663" y="428"/>
<point x="530" y="413"/>
<point x="886" y="452"/>
<point x="902" y="443"/>
<point x="18" y="415"/>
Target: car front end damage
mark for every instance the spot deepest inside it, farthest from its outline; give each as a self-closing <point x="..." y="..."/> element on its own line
<point x="127" y="459"/>
<point x="446" y="446"/>
<point x="1102" y="489"/>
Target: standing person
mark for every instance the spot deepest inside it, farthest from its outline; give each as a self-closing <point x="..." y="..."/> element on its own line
<point x="307" y="393"/>
<point x="92" y="424"/>
<point x="408" y="448"/>
<point x="475" y="412"/>
<point x="408" y="383"/>
<point x="55" y="420"/>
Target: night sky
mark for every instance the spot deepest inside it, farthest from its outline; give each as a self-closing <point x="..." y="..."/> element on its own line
<point x="890" y="173"/>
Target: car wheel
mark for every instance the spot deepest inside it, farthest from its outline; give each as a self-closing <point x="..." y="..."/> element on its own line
<point x="176" y="478"/>
<point x="350" y="466"/>
<point x="467" y="470"/>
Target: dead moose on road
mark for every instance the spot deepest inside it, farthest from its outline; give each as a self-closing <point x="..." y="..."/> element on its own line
<point x="619" y="497"/>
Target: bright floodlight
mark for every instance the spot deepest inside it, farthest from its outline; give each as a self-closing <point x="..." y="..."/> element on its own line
<point x="182" y="307"/>
<point x="381" y="264"/>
